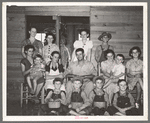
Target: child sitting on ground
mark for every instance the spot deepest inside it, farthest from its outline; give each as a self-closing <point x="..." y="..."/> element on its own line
<point x="79" y="103"/>
<point x="99" y="98"/>
<point x="55" y="101"/>
<point x="123" y="102"/>
<point x="37" y="72"/>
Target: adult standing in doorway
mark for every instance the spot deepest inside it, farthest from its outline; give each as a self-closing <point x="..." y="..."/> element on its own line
<point x="33" y="41"/>
<point x="84" y="43"/>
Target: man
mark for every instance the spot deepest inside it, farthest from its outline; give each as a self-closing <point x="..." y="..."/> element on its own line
<point x="82" y="68"/>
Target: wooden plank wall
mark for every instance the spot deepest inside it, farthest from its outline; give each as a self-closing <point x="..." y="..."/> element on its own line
<point x="124" y="23"/>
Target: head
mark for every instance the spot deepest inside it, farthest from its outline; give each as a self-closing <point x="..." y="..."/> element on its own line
<point x="32" y="31"/>
<point x="84" y="34"/>
<point x="99" y="81"/>
<point x="77" y="83"/>
<point x="120" y="58"/>
<point x="49" y="38"/>
<point x="57" y="83"/>
<point x="135" y="52"/>
<point x="29" y="50"/>
<point x="122" y="84"/>
<point x="80" y="54"/>
<point x="55" y="56"/>
<point x="109" y="55"/>
<point x="105" y="37"/>
<point x="38" y="59"/>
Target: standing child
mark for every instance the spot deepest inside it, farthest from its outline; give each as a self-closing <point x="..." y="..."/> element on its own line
<point x="79" y="103"/>
<point x="99" y="98"/>
<point x="55" y="101"/>
<point x="36" y="72"/>
<point x="123" y="103"/>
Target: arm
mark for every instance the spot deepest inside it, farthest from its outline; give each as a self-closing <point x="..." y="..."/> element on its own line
<point x="89" y="54"/>
<point x="23" y="70"/>
<point x="48" y="97"/>
<point x="63" y="98"/>
<point x="104" y="71"/>
<point x="73" y="55"/>
<point x="91" y="97"/>
<point x="98" y="53"/>
<point x="22" y="51"/>
<point x="68" y="70"/>
<point x="106" y="99"/>
<point x="41" y="51"/>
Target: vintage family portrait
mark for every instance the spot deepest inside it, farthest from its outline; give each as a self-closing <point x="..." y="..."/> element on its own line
<point x="75" y="61"/>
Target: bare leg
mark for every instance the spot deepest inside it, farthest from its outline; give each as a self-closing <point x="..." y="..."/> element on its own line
<point x="138" y="90"/>
<point x="39" y="86"/>
<point x="29" y="83"/>
<point x="141" y="83"/>
<point x="74" y="113"/>
<point x="119" y="114"/>
<point x="35" y="83"/>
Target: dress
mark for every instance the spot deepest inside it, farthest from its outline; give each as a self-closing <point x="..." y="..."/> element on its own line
<point x="79" y="44"/>
<point x="48" y="49"/>
<point x="53" y="71"/>
<point x="134" y="67"/>
<point x="37" y="45"/>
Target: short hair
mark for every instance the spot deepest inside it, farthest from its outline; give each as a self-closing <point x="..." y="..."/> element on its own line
<point x="79" y="49"/>
<point x="121" y="55"/>
<point x="135" y="48"/>
<point x="120" y="80"/>
<point x="47" y="34"/>
<point x="99" y="78"/>
<point x="31" y="27"/>
<point x="55" y="52"/>
<point x="27" y="47"/>
<point x="109" y="51"/>
<point x="58" y="79"/>
<point x="38" y="56"/>
<point x="85" y="30"/>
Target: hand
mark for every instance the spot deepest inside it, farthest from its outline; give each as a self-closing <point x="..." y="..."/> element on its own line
<point x="78" y="110"/>
<point x="57" y="100"/>
<point x="51" y="100"/>
<point x="69" y="106"/>
<point x="123" y="111"/>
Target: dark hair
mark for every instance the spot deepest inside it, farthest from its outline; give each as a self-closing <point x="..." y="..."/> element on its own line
<point x="121" y="55"/>
<point x="79" y="49"/>
<point x="99" y="78"/>
<point x="38" y="56"/>
<point x="55" y="52"/>
<point x="85" y="30"/>
<point x="58" y="79"/>
<point x="120" y="80"/>
<point x="47" y="34"/>
<point x="32" y="28"/>
<point x="135" y="48"/>
<point x="104" y="34"/>
<point x="27" y="47"/>
<point x="109" y="51"/>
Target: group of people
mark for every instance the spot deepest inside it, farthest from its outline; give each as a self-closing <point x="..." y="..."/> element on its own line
<point x="78" y="88"/>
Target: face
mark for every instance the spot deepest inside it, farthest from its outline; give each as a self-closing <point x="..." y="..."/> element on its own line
<point x="80" y="55"/>
<point x="105" y="39"/>
<point x="55" y="57"/>
<point x="49" y="39"/>
<point x="77" y="84"/>
<point x="30" y="52"/>
<point x="135" y="53"/>
<point x="99" y="83"/>
<point x="122" y="86"/>
<point x="33" y="32"/>
<point x="37" y="60"/>
<point x="57" y="85"/>
<point x="119" y="60"/>
<point x="84" y="35"/>
<point x="110" y="56"/>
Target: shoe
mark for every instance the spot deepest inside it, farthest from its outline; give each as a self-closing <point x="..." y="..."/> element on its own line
<point x="137" y="105"/>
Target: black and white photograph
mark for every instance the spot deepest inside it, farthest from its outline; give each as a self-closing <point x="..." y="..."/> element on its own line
<point x="74" y="61"/>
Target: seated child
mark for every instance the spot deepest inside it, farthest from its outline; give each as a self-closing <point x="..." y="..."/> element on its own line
<point x="123" y="103"/>
<point x="99" y="98"/>
<point x="37" y="72"/>
<point x="78" y="103"/>
<point x="118" y="72"/>
<point x="55" y="101"/>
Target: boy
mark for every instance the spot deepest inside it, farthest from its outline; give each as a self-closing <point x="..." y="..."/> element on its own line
<point x="79" y="103"/>
<point x="98" y="98"/>
<point x="123" y="103"/>
<point x="57" y="98"/>
<point x="37" y="72"/>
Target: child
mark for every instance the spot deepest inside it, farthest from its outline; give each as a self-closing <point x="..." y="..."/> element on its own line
<point x="99" y="98"/>
<point x="100" y="50"/>
<point x="118" y="71"/>
<point x="36" y="72"/>
<point x="79" y="103"/>
<point x="123" y="103"/>
<point x="56" y="98"/>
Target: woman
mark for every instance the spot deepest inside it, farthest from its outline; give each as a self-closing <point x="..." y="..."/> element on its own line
<point x="49" y="46"/>
<point x="53" y="70"/>
<point x="106" y="67"/>
<point x="26" y="68"/>
<point x="33" y="41"/>
<point x="134" y="72"/>
<point x="87" y="45"/>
